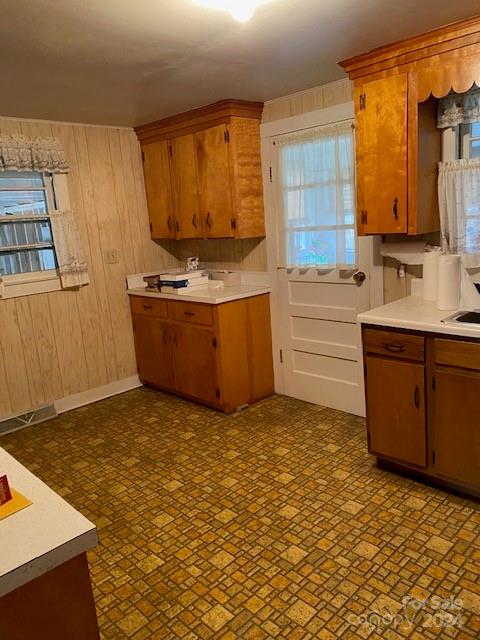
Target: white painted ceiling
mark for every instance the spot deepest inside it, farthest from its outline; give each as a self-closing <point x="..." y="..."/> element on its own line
<point x="128" y="62"/>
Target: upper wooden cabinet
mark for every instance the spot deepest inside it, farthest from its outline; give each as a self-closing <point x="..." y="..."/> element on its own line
<point x="396" y="90"/>
<point x="159" y="191"/>
<point x="211" y="185"/>
<point x="184" y="177"/>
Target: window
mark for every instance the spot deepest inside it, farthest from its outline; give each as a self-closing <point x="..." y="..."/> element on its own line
<point x="317" y="202"/>
<point x="26" y="243"/>
<point x="470" y="140"/>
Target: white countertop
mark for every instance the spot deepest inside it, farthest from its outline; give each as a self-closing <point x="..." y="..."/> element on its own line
<point x="42" y="536"/>
<point x="207" y="295"/>
<point x="415" y="313"/>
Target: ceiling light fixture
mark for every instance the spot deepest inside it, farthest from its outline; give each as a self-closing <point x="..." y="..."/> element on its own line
<point x="241" y="10"/>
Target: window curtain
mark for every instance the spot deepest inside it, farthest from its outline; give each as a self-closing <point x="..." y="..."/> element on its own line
<point x="459" y="204"/>
<point x="19" y="153"/>
<point x="72" y="265"/>
<point x="316" y="221"/>
<point x="459" y="108"/>
<point x="46" y="155"/>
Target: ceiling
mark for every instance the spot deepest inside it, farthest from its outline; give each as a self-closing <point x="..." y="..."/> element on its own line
<point x="128" y="62"/>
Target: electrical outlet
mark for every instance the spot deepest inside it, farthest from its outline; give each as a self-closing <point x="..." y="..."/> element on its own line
<point x="111" y="256"/>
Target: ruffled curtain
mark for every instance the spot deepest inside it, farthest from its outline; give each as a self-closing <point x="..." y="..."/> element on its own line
<point x="19" y="153"/>
<point x="459" y="108"/>
<point x="459" y="204"/>
<point x="72" y="265"/>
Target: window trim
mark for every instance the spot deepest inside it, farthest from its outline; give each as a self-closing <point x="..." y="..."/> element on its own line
<point x="25" y="284"/>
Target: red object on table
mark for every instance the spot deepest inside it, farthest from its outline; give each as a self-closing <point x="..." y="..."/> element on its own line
<point x="5" y="493"/>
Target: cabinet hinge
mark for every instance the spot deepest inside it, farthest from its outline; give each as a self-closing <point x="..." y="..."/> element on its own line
<point x="233" y="223"/>
<point x="143" y="156"/>
<point x="363" y="102"/>
<point x="151" y="227"/>
<point x="433" y="457"/>
<point x="433" y="384"/>
<point x="214" y="343"/>
<point x="217" y="392"/>
<point x="270" y="173"/>
<point x="226" y="135"/>
<point x="281" y="356"/>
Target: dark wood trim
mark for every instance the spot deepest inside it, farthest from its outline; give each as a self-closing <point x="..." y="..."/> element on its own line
<point x="205" y="117"/>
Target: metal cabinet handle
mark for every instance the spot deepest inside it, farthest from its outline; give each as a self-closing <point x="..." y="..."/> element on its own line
<point x="164" y="336"/>
<point x="394" y="348"/>
<point x="395" y="208"/>
<point x="169" y="223"/>
<point x="209" y="222"/>
<point x="147" y="306"/>
<point x="194" y="221"/>
<point x="189" y="313"/>
<point x="416" y="397"/>
<point x="178" y="225"/>
<point x="175" y="339"/>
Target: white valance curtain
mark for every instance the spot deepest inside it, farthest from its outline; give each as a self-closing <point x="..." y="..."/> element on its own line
<point x="459" y="108"/>
<point x="46" y="155"/>
<point x="19" y="153"/>
<point x="316" y="221"/>
<point x="459" y="204"/>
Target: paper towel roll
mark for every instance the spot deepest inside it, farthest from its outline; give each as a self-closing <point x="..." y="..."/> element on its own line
<point x="448" y="282"/>
<point x="430" y="275"/>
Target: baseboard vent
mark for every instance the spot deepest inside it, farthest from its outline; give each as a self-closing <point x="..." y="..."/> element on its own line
<point x="28" y="419"/>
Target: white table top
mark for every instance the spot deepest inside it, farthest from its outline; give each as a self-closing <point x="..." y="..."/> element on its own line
<point x="42" y="536"/>
<point x="207" y="295"/>
<point x="415" y="313"/>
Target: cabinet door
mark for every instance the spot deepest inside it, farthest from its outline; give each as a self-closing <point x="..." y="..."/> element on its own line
<point x="457" y="436"/>
<point x="195" y="362"/>
<point x="153" y="347"/>
<point x="381" y="137"/>
<point x="214" y="181"/>
<point x="396" y="410"/>
<point x="159" y="191"/>
<point x="183" y="167"/>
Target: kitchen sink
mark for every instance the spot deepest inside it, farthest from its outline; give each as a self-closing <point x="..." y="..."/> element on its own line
<point x="467" y="317"/>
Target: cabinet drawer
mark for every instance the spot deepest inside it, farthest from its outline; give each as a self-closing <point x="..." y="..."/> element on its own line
<point x="195" y="312"/>
<point x="148" y="306"/>
<point x="394" y="344"/>
<point x="454" y="353"/>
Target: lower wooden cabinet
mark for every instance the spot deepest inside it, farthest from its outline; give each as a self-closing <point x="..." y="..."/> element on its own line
<point x="220" y="355"/>
<point x="423" y="411"/>
<point x="396" y="420"/>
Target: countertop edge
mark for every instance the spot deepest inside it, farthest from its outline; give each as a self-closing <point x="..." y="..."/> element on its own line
<point x="254" y="291"/>
<point x="43" y="564"/>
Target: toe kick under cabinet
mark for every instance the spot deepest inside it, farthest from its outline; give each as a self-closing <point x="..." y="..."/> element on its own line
<point x="217" y="354"/>
<point x="423" y="404"/>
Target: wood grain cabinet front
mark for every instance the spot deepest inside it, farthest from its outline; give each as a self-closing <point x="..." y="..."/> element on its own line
<point x="423" y="404"/>
<point x="220" y="355"/>
<point x="203" y="172"/>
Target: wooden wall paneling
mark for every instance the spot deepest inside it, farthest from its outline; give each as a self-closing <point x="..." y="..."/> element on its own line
<point x="121" y="200"/>
<point x="91" y="323"/>
<point x="110" y="238"/>
<point x="15" y="359"/>
<point x="133" y="206"/>
<point x="70" y="332"/>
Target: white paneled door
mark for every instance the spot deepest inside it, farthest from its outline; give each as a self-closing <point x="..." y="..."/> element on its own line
<point x="318" y="336"/>
<point x="323" y="275"/>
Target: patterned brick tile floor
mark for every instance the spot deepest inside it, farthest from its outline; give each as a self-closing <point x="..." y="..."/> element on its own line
<point x="271" y="523"/>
